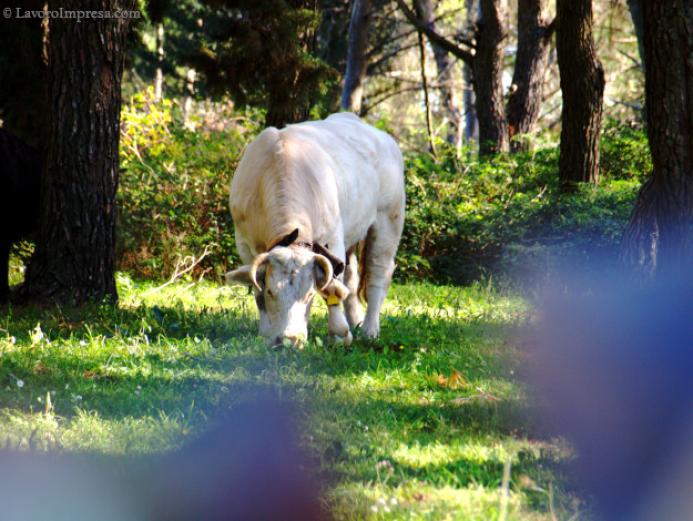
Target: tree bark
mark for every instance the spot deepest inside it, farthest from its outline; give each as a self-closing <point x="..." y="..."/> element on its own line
<point x="524" y="104"/>
<point x="487" y="67"/>
<point x="582" y="86"/>
<point x="445" y="80"/>
<point x="355" y="75"/>
<point x="659" y="237"/>
<point x="74" y="260"/>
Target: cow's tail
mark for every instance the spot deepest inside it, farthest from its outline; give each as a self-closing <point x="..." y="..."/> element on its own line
<point x="364" y="254"/>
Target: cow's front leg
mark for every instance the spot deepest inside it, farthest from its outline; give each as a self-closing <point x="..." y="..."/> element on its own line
<point x="334" y="294"/>
<point x="337" y="325"/>
<point x="352" y="306"/>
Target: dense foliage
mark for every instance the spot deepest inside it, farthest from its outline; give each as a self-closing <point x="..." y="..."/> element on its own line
<point x="469" y="217"/>
<point x="174" y="185"/>
<point x="465" y="217"/>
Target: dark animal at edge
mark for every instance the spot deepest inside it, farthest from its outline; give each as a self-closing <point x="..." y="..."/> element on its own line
<point x="20" y="190"/>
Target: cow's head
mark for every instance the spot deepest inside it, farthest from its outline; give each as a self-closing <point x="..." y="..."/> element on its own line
<point x="285" y="281"/>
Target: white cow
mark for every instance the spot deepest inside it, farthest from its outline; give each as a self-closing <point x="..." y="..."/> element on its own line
<point x="304" y="201"/>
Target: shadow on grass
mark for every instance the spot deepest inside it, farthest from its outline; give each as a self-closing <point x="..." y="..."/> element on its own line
<point x="170" y="357"/>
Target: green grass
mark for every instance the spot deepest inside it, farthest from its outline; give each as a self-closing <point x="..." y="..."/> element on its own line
<point x="416" y="425"/>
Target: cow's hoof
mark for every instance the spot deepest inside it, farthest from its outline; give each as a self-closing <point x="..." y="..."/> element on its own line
<point x="370" y="331"/>
<point x="342" y="340"/>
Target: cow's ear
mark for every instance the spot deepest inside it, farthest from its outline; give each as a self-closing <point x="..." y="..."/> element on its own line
<point x="240" y="276"/>
<point x="335" y="292"/>
<point x="288" y="239"/>
<point x="337" y="265"/>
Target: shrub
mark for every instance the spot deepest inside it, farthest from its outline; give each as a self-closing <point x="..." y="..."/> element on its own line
<point x="471" y="218"/>
<point x="173" y="196"/>
<point x="465" y="218"/>
<point x="624" y="151"/>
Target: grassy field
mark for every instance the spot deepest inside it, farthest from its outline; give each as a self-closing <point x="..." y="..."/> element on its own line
<point x="418" y="425"/>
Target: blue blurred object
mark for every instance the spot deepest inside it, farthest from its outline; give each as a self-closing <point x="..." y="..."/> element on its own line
<point x="614" y="364"/>
<point x="248" y="467"/>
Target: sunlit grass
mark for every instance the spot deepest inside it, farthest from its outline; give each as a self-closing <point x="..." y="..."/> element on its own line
<point x="416" y="425"/>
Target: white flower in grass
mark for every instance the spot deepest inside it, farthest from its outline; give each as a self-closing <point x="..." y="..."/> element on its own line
<point x="20" y="383"/>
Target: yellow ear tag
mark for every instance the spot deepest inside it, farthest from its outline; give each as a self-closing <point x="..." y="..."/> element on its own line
<point x="332" y="300"/>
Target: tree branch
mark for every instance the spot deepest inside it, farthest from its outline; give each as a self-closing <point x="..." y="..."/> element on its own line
<point x="437" y="39"/>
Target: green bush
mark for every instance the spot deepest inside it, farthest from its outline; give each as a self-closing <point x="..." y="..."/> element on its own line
<point x="470" y="218"/>
<point x="465" y="217"/>
<point x="174" y="185"/>
<point x="624" y="151"/>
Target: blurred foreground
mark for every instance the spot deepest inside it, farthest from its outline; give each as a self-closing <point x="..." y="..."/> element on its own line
<point x="614" y="364"/>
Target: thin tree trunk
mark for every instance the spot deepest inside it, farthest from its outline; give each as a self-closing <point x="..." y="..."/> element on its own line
<point x="445" y="79"/>
<point x="159" y="77"/>
<point x="582" y="86"/>
<point x="635" y="7"/>
<point x="659" y="237"/>
<point x="190" y="76"/>
<point x="355" y="75"/>
<point x="75" y="253"/>
<point x="471" y="122"/>
<point x="524" y="103"/>
<point x="488" y="85"/>
<point x="424" y="84"/>
<point x="283" y="109"/>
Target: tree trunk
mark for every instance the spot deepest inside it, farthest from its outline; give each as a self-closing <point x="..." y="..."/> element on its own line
<point x="488" y="79"/>
<point x="159" y="76"/>
<point x="659" y="236"/>
<point x="471" y="122"/>
<point x="75" y="258"/>
<point x="445" y="79"/>
<point x="635" y="7"/>
<point x="283" y="109"/>
<point x="582" y="86"/>
<point x="355" y="74"/>
<point x="427" y="103"/>
<point x="533" y="36"/>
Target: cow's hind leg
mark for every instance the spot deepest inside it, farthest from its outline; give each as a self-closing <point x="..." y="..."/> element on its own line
<point x="4" y="270"/>
<point x="379" y="264"/>
<point x="352" y="306"/>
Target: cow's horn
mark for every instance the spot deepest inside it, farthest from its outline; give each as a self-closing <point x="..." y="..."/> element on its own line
<point x="326" y="267"/>
<point x="257" y="262"/>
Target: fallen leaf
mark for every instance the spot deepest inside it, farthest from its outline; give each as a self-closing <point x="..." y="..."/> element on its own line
<point x="454" y="381"/>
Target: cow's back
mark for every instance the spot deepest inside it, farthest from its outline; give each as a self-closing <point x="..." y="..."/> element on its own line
<point x="338" y="172"/>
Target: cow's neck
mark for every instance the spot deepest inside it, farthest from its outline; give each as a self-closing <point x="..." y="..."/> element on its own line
<point x="288" y="213"/>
